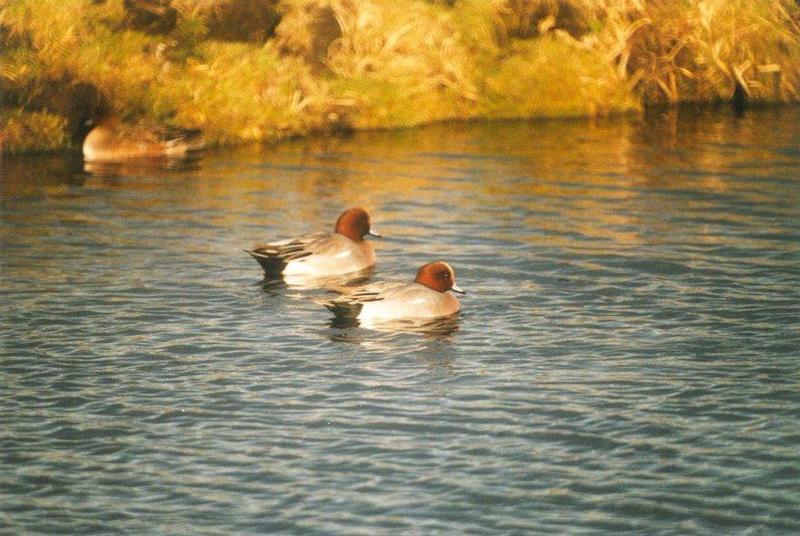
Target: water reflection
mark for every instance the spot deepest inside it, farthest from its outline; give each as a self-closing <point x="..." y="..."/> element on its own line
<point x="155" y="166"/>
<point x="436" y="328"/>
<point x="530" y="186"/>
<point x="38" y="175"/>
<point x="308" y="282"/>
<point x="390" y="336"/>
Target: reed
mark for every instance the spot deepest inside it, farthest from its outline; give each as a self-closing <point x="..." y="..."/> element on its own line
<point x="710" y="49"/>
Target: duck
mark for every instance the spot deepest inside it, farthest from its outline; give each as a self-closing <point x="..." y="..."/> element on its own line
<point x="429" y="296"/>
<point x="112" y="140"/>
<point x="321" y="254"/>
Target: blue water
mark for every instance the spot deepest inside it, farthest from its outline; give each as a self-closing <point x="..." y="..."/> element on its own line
<point x="627" y="357"/>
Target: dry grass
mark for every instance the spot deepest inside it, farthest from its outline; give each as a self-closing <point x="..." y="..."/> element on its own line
<point x="704" y="51"/>
<point x="35" y="131"/>
<point x="398" y="64"/>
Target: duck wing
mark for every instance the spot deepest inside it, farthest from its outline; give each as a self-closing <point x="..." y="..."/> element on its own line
<point x="183" y="140"/>
<point x="274" y="257"/>
<point x="348" y="305"/>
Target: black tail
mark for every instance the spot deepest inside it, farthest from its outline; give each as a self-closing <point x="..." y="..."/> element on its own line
<point x="342" y="310"/>
<point x="272" y="264"/>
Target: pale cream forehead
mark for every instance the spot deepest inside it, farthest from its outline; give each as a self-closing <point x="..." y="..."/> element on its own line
<point x="452" y="272"/>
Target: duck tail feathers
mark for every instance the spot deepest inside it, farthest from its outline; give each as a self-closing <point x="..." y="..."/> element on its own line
<point x="340" y="309"/>
<point x="270" y="262"/>
<point x="185" y="140"/>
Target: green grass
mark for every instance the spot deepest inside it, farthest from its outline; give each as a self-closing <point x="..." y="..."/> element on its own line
<point x="554" y="77"/>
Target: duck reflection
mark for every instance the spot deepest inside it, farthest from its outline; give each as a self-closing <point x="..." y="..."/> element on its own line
<point x="150" y="167"/>
<point x="341" y="283"/>
<point x="442" y="328"/>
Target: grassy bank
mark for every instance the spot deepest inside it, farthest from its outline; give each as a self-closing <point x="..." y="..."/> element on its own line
<point x="260" y="70"/>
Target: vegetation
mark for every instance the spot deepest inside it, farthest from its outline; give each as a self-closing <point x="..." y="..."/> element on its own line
<point x="260" y="70"/>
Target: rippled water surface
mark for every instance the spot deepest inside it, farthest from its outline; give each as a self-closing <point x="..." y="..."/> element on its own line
<point x="627" y="357"/>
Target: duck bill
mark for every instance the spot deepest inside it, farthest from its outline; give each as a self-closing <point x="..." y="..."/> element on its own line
<point x="373" y="233"/>
<point x="458" y="289"/>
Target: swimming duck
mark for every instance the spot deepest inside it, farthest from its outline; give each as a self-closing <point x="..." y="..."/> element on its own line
<point x="426" y="297"/>
<point x="112" y="140"/>
<point x="321" y="254"/>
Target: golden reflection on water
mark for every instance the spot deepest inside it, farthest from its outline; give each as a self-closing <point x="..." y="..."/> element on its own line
<point x="545" y="182"/>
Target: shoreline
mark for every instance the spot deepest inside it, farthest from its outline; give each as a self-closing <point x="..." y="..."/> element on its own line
<point x="260" y="71"/>
<point x="680" y="109"/>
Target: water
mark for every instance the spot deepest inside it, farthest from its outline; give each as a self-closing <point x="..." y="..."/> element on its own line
<point x="627" y="357"/>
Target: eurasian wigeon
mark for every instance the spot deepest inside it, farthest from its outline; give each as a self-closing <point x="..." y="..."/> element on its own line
<point x="426" y="298"/>
<point x="111" y="140"/>
<point x="320" y="255"/>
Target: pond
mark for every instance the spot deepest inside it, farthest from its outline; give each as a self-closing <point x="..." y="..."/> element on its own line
<point x="627" y="356"/>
